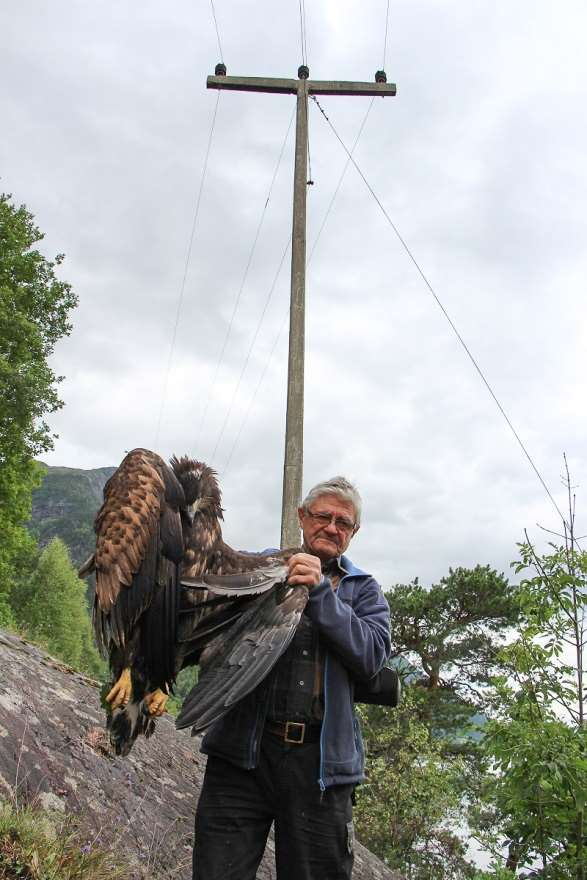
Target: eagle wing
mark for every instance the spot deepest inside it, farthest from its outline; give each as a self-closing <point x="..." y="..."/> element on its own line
<point x="245" y="650"/>
<point x="139" y="545"/>
<point x="243" y="583"/>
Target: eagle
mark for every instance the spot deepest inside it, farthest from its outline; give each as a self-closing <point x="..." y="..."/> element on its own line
<point x="171" y="593"/>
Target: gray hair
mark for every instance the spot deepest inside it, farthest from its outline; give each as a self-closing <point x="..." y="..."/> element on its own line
<point x="336" y="486"/>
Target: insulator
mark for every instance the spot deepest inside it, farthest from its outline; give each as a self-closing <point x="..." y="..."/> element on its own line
<point x="220" y="69"/>
<point x="303" y="72"/>
<point x="380" y="76"/>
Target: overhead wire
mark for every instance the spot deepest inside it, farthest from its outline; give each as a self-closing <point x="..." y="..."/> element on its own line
<point x="255" y="392"/>
<point x="305" y="53"/>
<point x="304" y="50"/>
<point x="443" y="310"/>
<point x="303" y="39"/>
<point x="185" y="272"/>
<point x="284" y="320"/>
<point x="408" y="251"/>
<point x="317" y="238"/>
<point x="251" y="347"/>
<point x="384" y="62"/>
<point x="340" y="180"/>
<point x="212" y="385"/>
<point x="217" y="31"/>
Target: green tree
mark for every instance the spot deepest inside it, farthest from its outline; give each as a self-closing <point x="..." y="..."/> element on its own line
<point x="34" y="308"/>
<point x="51" y="609"/>
<point x="423" y="759"/>
<point x="412" y="799"/>
<point x="537" y="740"/>
<point x="450" y="634"/>
<point x="186" y="680"/>
<point x="18" y="549"/>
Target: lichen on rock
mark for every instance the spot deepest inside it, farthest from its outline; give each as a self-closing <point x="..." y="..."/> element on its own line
<point x="54" y="752"/>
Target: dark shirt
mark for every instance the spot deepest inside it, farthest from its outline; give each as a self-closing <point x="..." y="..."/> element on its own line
<point x="296" y="692"/>
<point x="353" y="622"/>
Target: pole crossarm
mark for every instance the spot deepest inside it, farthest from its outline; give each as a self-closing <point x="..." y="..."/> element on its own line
<point x="291" y="86"/>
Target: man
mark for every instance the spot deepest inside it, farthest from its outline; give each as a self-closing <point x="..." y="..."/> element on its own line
<point x="291" y="751"/>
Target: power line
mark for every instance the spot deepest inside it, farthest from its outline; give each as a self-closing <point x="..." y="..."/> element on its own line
<point x="304" y="47"/>
<point x="212" y="386"/>
<point x="256" y="391"/>
<point x="217" y="31"/>
<point x="442" y="308"/>
<point x="385" y="38"/>
<point x="305" y="29"/>
<point x="251" y="347"/>
<point x="185" y="274"/>
<point x="340" y="179"/>
<point x="284" y="321"/>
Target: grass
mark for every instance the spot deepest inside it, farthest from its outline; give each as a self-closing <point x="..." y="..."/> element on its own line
<point x="34" y="845"/>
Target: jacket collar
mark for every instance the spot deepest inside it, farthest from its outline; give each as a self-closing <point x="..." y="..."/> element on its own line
<point x="350" y="569"/>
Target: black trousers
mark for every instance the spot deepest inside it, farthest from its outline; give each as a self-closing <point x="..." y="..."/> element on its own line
<point x="314" y="835"/>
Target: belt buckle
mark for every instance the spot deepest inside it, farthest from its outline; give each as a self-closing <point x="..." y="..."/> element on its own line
<point x="302" y="732"/>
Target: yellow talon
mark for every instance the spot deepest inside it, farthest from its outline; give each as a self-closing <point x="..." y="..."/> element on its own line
<point x="121" y="692"/>
<point x="156" y="702"/>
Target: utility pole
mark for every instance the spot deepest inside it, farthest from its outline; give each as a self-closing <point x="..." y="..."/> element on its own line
<point x="294" y="423"/>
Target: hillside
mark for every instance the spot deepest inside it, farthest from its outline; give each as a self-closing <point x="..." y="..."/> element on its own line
<point x="64" y="506"/>
<point x="54" y="752"/>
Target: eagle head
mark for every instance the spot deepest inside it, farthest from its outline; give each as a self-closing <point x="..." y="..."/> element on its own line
<point x="199" y="484"/>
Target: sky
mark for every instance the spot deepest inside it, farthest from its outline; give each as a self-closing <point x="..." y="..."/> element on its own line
<point x="179" y="341"/>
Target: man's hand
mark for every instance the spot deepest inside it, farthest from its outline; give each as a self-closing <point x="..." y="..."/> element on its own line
<point x="304" y="569"/>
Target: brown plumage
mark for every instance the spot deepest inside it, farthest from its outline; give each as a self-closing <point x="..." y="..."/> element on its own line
<point x="171" y="593"/>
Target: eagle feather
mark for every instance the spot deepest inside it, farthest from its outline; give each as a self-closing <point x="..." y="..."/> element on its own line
<point x="170" y="593"/>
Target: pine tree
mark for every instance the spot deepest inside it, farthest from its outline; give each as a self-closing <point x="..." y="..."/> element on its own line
<point x="52" y="610"/>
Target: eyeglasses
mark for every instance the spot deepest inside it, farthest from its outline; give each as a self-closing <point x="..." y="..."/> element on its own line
<point x="341" y="523"/>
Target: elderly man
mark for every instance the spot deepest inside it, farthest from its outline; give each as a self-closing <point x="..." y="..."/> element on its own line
<point x="291" y="752"/>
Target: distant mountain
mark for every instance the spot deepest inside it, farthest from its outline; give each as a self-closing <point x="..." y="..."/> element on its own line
<point x="64" y="506"/>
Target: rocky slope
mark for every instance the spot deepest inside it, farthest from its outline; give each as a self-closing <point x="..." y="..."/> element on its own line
<point x="53" y="750"/>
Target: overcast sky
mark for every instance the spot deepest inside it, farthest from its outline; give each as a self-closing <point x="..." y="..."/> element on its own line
<point x="480" y="161"/>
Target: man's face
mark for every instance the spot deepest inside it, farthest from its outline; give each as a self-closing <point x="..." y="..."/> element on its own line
<point x="328" y="538"/>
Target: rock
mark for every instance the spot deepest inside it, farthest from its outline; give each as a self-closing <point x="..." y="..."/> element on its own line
<point x="54" y="751"/>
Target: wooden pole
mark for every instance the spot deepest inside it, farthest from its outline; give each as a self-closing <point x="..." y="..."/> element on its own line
<point x="294" y="423"/>
<point x="294" y="420"/>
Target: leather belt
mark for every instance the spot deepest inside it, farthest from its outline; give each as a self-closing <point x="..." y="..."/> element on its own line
<point x="296" y="732"/>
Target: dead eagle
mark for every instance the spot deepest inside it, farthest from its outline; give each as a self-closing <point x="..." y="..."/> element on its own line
<point x="170" y="593"/>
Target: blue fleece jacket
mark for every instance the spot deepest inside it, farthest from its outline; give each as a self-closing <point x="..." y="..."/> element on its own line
<point x="353" y="623"/>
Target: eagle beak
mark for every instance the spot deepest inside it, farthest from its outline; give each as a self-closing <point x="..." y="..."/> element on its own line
<point x="191" y="511"/>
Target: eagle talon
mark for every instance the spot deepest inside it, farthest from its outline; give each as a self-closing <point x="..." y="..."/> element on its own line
<point x="155" y="702"/>
<point x="121" y="692"/>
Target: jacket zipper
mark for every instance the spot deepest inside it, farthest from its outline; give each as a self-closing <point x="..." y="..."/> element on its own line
<point x="321" y="782"/>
